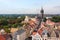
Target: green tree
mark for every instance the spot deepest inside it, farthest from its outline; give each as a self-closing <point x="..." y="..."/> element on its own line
<point x="45" y="19"/>
<point x="4" y="22"/>
<point x="56" y="19"/>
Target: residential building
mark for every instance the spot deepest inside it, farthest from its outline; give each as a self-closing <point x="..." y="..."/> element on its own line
<point x="5" y="37"/>
<point x="19" y="35"/>
<point x="36" y="36"/>
<point x="13" y="30"/>
<point x="26" y="19"/>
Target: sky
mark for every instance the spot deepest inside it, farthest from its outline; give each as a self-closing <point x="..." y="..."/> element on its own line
<point x="29" y="6"/>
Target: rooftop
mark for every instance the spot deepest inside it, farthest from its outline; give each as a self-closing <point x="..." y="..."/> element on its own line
<point x="19" y="32"/>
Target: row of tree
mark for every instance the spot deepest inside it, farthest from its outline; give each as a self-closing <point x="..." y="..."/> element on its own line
<point x="5" y="21"/>
<point x="54" y="19"/>
<point x="11" y="23"/>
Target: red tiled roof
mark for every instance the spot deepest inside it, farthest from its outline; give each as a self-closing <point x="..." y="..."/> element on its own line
<point x="50" y="22"/>
<point x="34" y="33"/>
<point x="2" y="37"/>
<point x="40" y="31"/>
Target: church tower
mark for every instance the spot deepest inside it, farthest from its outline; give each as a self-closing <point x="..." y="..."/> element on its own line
<point x="41" y="18"/>
<point x="42" y="14"/>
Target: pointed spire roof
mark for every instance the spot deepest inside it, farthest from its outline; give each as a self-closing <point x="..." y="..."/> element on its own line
<point x="42" y="11"/>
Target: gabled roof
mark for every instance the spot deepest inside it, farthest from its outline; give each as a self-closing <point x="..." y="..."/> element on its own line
<point x="19" y="32"/>
<point x="2" y="37"/>
<point x="49" y="22"/>
<point x="34" y="33"/>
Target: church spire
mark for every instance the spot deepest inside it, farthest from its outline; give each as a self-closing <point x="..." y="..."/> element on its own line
<point x="41" y="18"/>
<point x="42" y="13"/>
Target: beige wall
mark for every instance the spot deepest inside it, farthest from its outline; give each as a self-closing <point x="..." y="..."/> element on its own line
<point x="58" y="27"/>
<point x="21" y="36"/>
<point x="13" y="30"/>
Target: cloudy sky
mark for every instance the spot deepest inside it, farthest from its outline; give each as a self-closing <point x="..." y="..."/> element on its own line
<point x="29" y="6"/>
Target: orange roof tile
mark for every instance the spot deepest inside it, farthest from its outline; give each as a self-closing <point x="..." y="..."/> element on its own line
<point x="40" y="31"/>
<point x="2" y="37"/>
<point x="34" y="33"/>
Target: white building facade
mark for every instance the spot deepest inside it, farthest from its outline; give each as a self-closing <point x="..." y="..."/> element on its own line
<point x="36" y="37"/>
